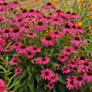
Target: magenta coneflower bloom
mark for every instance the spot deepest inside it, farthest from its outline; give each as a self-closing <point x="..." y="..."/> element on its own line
<point x="31" y="34"/>
<point x="15" y="61"/>
<point x="57" y="21"/>
<point x="56" y="34"/>
<point x="65" y="69"/>
<point x="49" y="6"/>
<point x="46" y="74"/>
<point x="71" y="23"/>
<point x="25" y="28"/>
<point x="23" y="13"/>
<point x="22" y="49"/>
<point x="58" y="13"/>
<point x="27" y="20"/>
<point x="80" y="30"/>
<point x="77" y="41"/>
<point x="77" y="48"/>
<point x="50" y="85"/>
<point x="84" y="66"/>
<point x="29" y="54"/>
<point x="16" y="33"/>
<point x="48" y="40"/>
<point x="88" y="76"/>
<point x="54" y="78"/>
<point x="35" y="49"/>
<point x="5" y="5"/>
<point x="47" y="18"/>
<point x="18" y="71"/>
<point x="68" y="50"/>
<point x="15" y="4"/>
<point x="74" y="29"/>
<point x="6" y="32"/>
<point x="43" y="60"/>
<point x="40" y="26"/>
<point x="74" y="15"/>
<point x="82" y="58"/>
<point x="62" y="57"/>
<point x="71" y="82"/>
<point x="67" y="15"/>
<point x="39" y="13"/>
<point x="66" y="29"/>
<point x="19" y="21"/>
<point x="57" y="67"/>
<point x="72" y="62"/>
<point x="31" y="12"/>
<point x="16" y="45"/>
<point x="79" y="80"/>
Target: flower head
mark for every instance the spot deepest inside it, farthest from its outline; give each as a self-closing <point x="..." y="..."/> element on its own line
<point x="18" y="71"/>
<point x="48" y="40"/>
<point x="68" y="50"/>
<point x="46" y="74"/>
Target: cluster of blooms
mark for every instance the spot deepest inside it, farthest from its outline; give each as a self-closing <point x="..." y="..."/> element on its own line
<point x="81" y="64"/>
<point x="10" y="6"/>
<point x="27" y="51"/>
<point x="47" y="74"/>
<point x="28" y="24"/>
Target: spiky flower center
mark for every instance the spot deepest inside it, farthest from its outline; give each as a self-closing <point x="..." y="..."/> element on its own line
<point x="79" y="77"/>
<point x="43" y="58"/>
<point x="31" y="10"/>
<point x="23" y="46"/>
<point x="82" y="57"/>
<point x="48" y="37"/>
<point x="15" y="2"/>
<point x="58" y="11"/>
<point x="31" y="33"/>
<point x="73" y="13"/>
<point x="86" y="63"/>
<point x="56" y="32"/>
<point x="46" y="73"/>
<point x="26" y="26"/>
<point x="68" y="50"/>
<point x="67" y="26"/>
<point x="15" y="30"/>
<point x="89" y="73"/>
<point x="5" y="3"/>
<point x="73" y="26"/>
<point x="34" y="48"/>
<point x="49" y="3"/>
<point x="71" y="82"/>
<point x="56" y="19"/>
<point x="77" y="38"/>
<point x="6" y="30"/>
<point x="40" y="23"/>
<point x="24" y="10"/>
<point x="19" y="19"/>
<point x="29" y="53"/>
<point x="68" y="12"/>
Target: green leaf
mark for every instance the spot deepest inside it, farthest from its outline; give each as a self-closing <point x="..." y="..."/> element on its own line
<point x="8" y="46"/>
<point x="38" y="77"/>
<point x="31" y="85"/>
<point x="1" y="67"/>
<point x="9" y="81"/>
<point x="14" y="84"/>
<point x="61" y="79"/>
